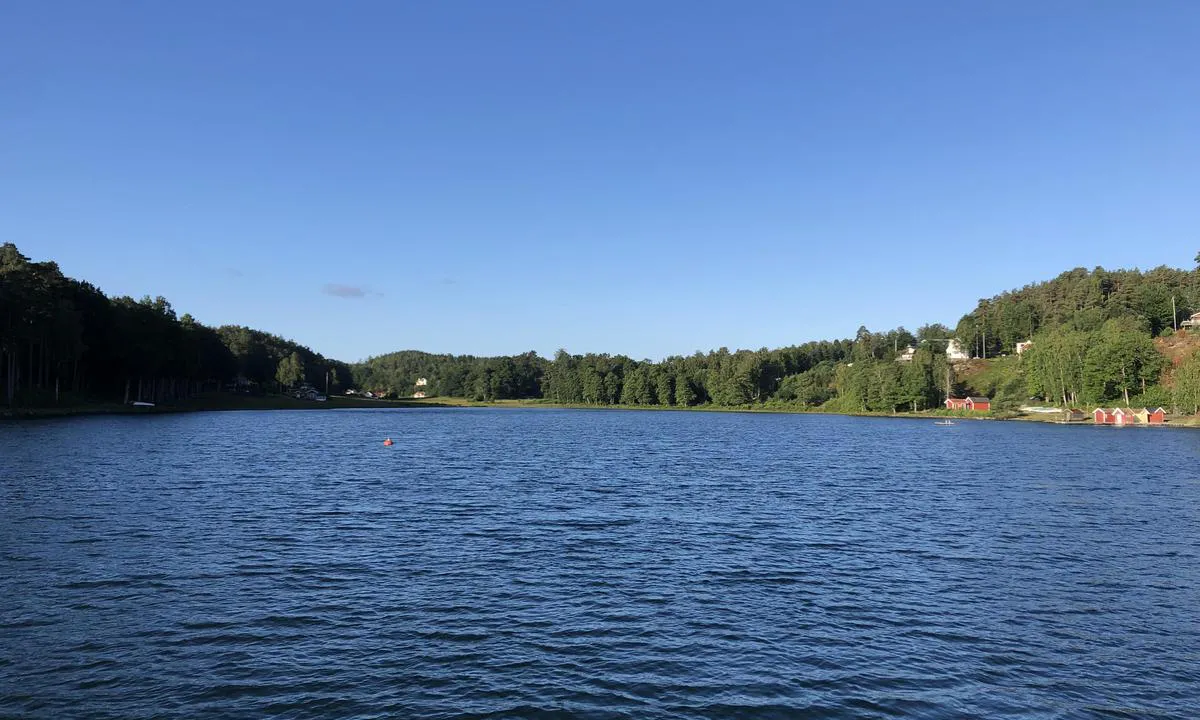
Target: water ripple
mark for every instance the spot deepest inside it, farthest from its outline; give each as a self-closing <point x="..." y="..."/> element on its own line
<point x="568" y="564"/>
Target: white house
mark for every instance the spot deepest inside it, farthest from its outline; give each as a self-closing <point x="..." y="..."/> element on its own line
<point x="907" y="355"/>
<point x="954" y="351"/>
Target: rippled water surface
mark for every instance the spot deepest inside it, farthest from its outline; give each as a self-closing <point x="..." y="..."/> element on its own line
<point x="559" y="564"/>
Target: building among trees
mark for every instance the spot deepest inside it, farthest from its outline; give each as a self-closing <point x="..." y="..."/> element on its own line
<point x="954" y="351"/>
<point x="973" y="404"/>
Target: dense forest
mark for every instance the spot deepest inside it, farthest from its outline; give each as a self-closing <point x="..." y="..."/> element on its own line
<point x="1092" y="332"/>
<point x="64" y="341"/>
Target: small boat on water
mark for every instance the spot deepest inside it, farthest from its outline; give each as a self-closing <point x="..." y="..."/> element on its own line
<point x="943" y="422"/>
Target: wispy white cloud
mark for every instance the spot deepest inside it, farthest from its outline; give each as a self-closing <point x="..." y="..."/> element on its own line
<point x="345" y="291"/>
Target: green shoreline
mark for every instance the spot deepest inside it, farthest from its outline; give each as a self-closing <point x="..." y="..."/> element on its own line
<point x="228" y="402"/>
<point x="1048" y="419"/>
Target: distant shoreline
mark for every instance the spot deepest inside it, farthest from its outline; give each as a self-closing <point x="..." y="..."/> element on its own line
<point x="215" y="402"/>
<point x="935" y="414"/>
<point x="224" y="402"/>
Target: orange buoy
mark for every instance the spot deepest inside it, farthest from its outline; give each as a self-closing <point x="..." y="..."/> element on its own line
<point x="388" y="441"/>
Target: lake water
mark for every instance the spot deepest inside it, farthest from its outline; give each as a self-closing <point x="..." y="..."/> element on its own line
<point x="595" y="564"/>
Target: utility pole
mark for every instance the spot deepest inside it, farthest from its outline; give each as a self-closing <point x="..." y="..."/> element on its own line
<point x="1174" y="317"/>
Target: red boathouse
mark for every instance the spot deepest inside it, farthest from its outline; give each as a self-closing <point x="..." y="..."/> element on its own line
<point x="1123" y="416"/>
<point x="975" y="404"/>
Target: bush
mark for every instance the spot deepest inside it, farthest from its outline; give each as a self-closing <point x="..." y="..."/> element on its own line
<point x="1155" y="396"/>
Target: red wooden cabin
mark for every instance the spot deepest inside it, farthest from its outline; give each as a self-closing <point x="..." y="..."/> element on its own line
<point x="1123" y="416"/>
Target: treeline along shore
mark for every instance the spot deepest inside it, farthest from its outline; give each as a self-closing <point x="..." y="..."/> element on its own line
<point x="1084" y="338"/>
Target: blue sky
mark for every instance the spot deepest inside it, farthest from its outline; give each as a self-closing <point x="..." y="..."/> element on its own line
<point x="625" y="177"/>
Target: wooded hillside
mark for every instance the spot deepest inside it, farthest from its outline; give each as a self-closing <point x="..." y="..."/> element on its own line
<point x="1092" y="331"/>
